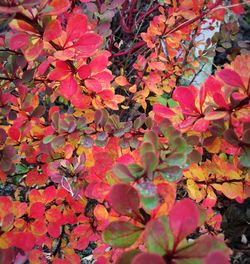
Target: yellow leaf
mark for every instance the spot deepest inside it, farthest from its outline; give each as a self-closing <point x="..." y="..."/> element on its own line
<point x="4" y="242"/>
<point x="232" y="190"/>
<point x="194" y="191"/>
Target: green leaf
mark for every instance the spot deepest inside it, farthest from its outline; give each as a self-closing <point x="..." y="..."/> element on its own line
<point x="245" y="157"/>
<point x="172" y="103"/>
<point x="171" y="174"/>
<point x="21" y="169"/>
<point x="122" y="172"/>
<point x="152" y="138"/>
<point x="176" y="159"/>
<point x="48" y="139"/>
<point x="127" y="257"/>
<point x="136" y="170"/>
<point x="158" y="236"/>
<point x="149" y="203"/>
<point x="146" y="147"/>
<point x="58" y="142"/>
<point x="121" y="234"/>
<point x="149" y="161"/>
<point x="148" y="194"/>
<point x="180" y="144"/>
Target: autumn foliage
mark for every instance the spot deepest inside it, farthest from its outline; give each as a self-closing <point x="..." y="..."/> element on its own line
<point x="95" y="156"/>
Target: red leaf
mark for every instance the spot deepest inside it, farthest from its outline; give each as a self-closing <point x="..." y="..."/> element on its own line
<point x="37" y="210"/>
<point x="97" y="190"/>
<point x="148" y="258"/>
<point x="38" y="227"/>
<point x="50" y="194"/>
<point x="61" y="261"/>
<point x="201" y="125"/>
<point x="14" y="133"/>
<point x="99" y="63"/>
<point x="212" y="85"/>
<point x="220" y="100"/>
<point x="203" y="94"/>
<point x="32" y="177"/>
<point x="58" y="7"/>
<point x="24" y="241"/>
<point x="183" y="219"/>
<point x="53" y="215"/>
<point x="231" y="77"/>
<point x="76" y="27"/>
<point x="82" y="243"/>
<point x="216" y="257"/>
<point x="88" y="43"/>
<point x="103" y="77"/>
<point x="61" y="71"/>
<point x="68" y="87"/>
<point x="80" y="101"/>
<point x="53" y="30"/>
<point x="93" y="85"/>
<point x="84" y="71"/>
<point x="163" y="111"/>
<point x="238" y="8"/>
<point x="33" y="51"/>
<point x="128" y="206"/>
<point x="54" y="230"/>
<point x="3" y="176"/>
<point x="186" y="97"/>
<point x="19" y="41"/>
<point x="81" y="230"/>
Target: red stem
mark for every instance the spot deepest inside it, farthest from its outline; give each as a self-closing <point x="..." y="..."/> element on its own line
<point x="135" y="47"/>
<point x="131" y="11"/>
<point x="98" y="2"/>
<point x="152" y="9"/>
<point x="191" y="21"/>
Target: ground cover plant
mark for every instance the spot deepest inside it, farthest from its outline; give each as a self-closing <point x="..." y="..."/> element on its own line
<point x="108" y="147"/>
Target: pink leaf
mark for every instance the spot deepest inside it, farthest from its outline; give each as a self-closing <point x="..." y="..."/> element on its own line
<point x="53" y="30"/>
<point x="212" y="85"/>
<point x="183" y="219"/>
<point x="76" y="27"/>
<point x="68" y="87"/>
<point x="186" y="97"/>
<point x="216" y="257"/>
<point x="19" y="41"/>
<point x="33" y="51"/>
<point x="88" y="43"/>
<point x="238" y="8"/>
<point x="84" y="71"/>
<point x="128" y="206"/>
<point x="99" y="63"/>
<point x="93" y="85"/>
<point x="220" y="100"/>
<point x="148" y="258"/>
<point x="61" y="72"/>
<point x="201" y="125"/>
<point x="54" y="230"/>
<point x="163" y="111"/>
<point x="215" y="115"/>
<point x="58" y="7"/>
<point x="80" y="101"/>
<point x="231" y="77"/>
